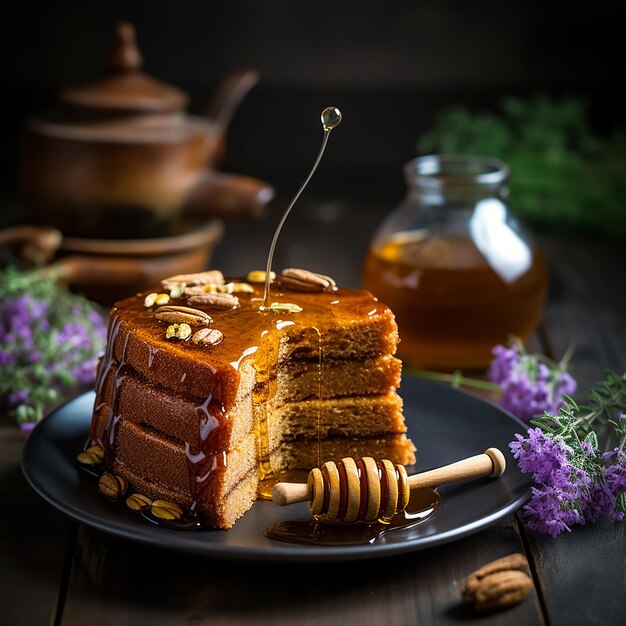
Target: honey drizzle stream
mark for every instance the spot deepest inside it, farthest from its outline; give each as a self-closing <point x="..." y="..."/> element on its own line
<point x="331" y="118"/>
<point x="264" y="391"/>
<point x="319" y="395"/>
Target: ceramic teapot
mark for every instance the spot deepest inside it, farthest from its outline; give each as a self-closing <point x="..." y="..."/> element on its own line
<point x="120" y="157"/>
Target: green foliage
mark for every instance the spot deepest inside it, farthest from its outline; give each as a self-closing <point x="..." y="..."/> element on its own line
<point x="562" y="174"/>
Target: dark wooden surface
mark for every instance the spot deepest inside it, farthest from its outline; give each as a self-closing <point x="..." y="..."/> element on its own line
<point x="53" y="571"/>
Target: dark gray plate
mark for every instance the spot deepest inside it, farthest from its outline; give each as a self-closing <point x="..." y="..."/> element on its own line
<point x="446" y="425"/>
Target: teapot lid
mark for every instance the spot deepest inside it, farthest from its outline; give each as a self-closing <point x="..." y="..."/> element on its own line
<point x="126" y="87"/>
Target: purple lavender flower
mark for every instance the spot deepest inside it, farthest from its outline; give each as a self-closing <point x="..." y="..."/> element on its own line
<point x="85" y="372"/>
<point x="529" y="387"/>
<point x="599" y="502"/>
<point x="17" y="397"/>
<point x="540" y="455"/>
<point x="565" y="494"/>
<point x="6" y="358"/>
<point x="505" y="361"/>
<point x="551" y="511"/>
<point x="615" y="473"/>
<point x="574" y="482"/>
<point x="49" y="343"/>
<point x="27" y="427"/>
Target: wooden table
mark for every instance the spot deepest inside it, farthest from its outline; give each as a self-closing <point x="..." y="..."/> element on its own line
<point x="54" y="571"/>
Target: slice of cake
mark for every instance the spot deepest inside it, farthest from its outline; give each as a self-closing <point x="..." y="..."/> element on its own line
<point x="205" y="400"/>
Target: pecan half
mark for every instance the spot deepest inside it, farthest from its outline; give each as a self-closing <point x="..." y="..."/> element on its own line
<point x="501" y="590"/>
<point x="199" y="278"/>
<point x="303" y="280"/>
<point x="511" y="562"/>
<point x="173" y="314"/>
<point x="220" y="300"/>
<point x="499" y="584"/>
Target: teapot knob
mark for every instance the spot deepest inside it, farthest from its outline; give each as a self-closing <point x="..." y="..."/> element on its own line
<point x="124" y="55"/>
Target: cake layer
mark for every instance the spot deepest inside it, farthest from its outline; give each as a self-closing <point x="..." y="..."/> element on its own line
<point x="157" y="459"/>
<point x="203" y="425"/>
<point x="333" y="378"/>
<point x="361" y="416"/>
<point x="306" y="454"/>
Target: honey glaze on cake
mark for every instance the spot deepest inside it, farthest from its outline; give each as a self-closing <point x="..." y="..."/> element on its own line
<point x="211" y="375"/>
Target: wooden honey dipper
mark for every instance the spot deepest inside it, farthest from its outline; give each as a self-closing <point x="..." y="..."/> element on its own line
<point x="368" y="490"/>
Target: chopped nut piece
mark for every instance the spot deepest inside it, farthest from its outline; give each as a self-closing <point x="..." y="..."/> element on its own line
<point x="241" y="288"/>
<point x="221" y="300"/>
<point x="303" y="280"/>
<point x="138" y="501"/>
<point x="177" y="290"/>
<point x="284" y="307"/>
<point x="259" y="276"/>
<point x="182" y="314"/>
<point x="150" y="299"/>
<point x="178" y="331"/>
<point x="227" y="288"/>
<point x="208" y="337"/>
<point x="112" y="486"/>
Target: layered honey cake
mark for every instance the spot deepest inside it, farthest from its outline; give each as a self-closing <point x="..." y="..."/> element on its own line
<point x="204" y="396"/>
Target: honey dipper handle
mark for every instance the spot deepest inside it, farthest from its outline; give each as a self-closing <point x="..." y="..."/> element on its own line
<point x="490" y="463"/>
<point x="290" y="493"/>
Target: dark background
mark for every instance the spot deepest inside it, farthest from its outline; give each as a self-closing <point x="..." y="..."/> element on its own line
<point x="390" y="66"/>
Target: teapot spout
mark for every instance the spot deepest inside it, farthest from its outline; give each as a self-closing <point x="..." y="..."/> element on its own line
<point x="224" y="104"/>
<point x="229" y="197"/>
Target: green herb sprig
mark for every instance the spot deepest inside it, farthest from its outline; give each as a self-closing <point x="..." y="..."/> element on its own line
<point x="563" y="175"/>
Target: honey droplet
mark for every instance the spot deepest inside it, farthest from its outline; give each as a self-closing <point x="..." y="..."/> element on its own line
<point x="331" y="118"/>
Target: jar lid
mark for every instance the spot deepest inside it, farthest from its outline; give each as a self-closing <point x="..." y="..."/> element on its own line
<point x="126" y="88"/>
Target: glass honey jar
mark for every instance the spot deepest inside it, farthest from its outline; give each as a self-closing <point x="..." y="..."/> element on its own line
<point x="458" y="270"/>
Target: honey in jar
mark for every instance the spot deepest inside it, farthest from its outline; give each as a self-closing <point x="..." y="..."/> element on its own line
<point x="457" y="269"/>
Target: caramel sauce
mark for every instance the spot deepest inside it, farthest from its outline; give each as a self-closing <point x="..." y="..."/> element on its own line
<point x="422" y="505"/>
<point x="450" y="305"/>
